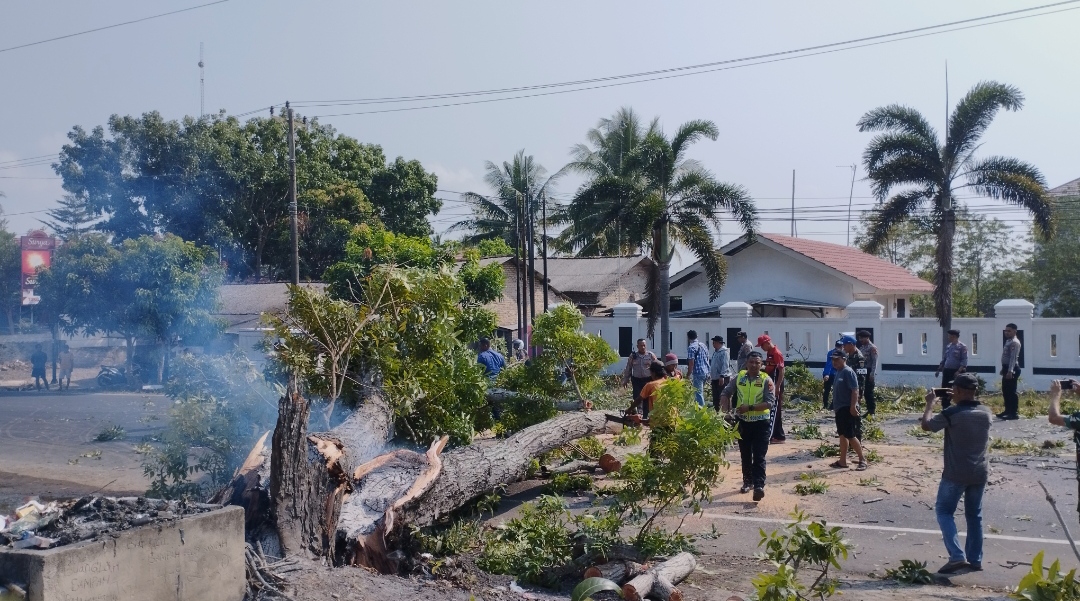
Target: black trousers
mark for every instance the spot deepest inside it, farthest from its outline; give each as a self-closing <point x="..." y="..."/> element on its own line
<point x="826" y="392"/>
<point x="718" y="387"/>
<point x="636" y="384"/>
<point x="778" y="415"/>
<point x="868" y="396"/>
<point x="947" y="377"/>
<point x="753" y="446"/>
<point x="1012" y="400"/>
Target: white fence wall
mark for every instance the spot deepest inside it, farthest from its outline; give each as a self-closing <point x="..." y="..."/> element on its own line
<point x="909" y="349"/>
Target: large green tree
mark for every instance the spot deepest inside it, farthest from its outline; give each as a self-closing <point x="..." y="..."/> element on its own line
<point x="222" y="182"/>
<point x="160" y="289"/>
<point x="73" y="218"/>
<point x="10" y="274"/>
<point x="915" y="175"/>
<point x="518" y="187"/>
<point x="1055" y="268"/>
<point x="663" y="198"/>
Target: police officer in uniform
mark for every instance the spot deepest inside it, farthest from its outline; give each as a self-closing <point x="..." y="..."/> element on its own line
<point x="754" y="396"/>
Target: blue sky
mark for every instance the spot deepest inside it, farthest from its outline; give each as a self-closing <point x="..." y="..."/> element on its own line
<point x="773" y="118"/>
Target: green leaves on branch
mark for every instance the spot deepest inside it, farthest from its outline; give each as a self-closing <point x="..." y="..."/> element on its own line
<point x="409" y="326"/>
<point x="1047" y="584"/>
<point x="800" y="546"/>
<point x="686" y="453"/>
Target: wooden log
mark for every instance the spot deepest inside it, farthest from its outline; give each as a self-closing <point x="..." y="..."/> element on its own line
<point x="616" y="571"/>
<point x="660" y="580"/>
<point x="576" y="465"/>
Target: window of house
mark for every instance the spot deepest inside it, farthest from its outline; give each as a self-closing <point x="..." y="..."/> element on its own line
<point x="974" y="344"/>
<point x="899" y="343"/>
<point x="901" y="307"/>
<point x="1053" y="345"/>
<point x="675" y="303"/>
<point x="925" y="349"/>
<point x="626" y="341"/>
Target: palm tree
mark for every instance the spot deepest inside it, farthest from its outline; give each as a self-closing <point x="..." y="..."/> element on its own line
<point x="610" y="145"/>
<point x="662" y="198"/>
<point x="497" y="216"/>
<point x="907" y="155"/>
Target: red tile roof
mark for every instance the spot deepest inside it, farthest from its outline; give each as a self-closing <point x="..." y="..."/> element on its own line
<point x="864" y="267"/>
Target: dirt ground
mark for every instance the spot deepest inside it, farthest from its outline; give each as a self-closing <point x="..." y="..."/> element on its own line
<point x="904" y="485"/>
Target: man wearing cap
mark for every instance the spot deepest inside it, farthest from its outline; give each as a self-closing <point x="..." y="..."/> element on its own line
<point x="954" y="361"/>
<point x="870" y="353"/>
<point x="745" y="348"/>
<point x="754" y="395"/>
<point x="967" y="437"/>
<point x="636" y="371"/>
<point x="827" y="374"/>
<point x="846" y="411"/>
<point x="697" y="365"/>
<point x="856" y="361"/>
<point x="719" y="369"/>
<point x="774" y="368"/>
<point x="671" y="365"/>
<point x="1010" y="372"/>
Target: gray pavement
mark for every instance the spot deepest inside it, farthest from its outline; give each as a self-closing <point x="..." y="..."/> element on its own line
<point x="47" y="446"/>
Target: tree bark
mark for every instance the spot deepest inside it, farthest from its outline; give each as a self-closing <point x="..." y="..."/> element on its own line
<point x="659" y="581"/>
<point x="943" y="276"/>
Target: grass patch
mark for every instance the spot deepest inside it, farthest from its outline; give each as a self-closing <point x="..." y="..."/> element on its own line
<point x="561" y="483"/>
<point x="807" y="431"/>
<point x="826" y="449"/>
<point x="1022" y="447"/>
<point x="811" y="484"/>
<point x="918" y="432"/>
<point x="114" y="432"/>
<point x="871" y="481"/>
<point x="872" y="432"/>
<point x="872" y="456"/>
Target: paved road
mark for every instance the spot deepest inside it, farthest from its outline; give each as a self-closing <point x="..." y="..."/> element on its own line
<point x="44" y="435"/>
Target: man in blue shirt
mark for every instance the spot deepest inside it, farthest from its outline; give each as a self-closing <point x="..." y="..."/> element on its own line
<point x="827" y="374"/>
<point x="697" y="366"/>
<point x="491" y="359"/>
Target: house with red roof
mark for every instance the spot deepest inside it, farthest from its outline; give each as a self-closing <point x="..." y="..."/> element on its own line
<point x="782" y="276"/>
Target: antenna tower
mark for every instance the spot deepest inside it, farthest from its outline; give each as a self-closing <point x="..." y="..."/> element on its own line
<point x="202" y="83"/>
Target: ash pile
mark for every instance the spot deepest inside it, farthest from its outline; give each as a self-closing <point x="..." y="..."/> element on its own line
<point x="43" y="526"/>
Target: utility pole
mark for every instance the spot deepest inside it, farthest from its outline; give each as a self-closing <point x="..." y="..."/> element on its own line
<point x="543" y="208"/>
<point x="532" y="248"/>
<point x="792" y="203"/>
<point x="517" y="266"/>
<point x="292" y="198"/>
<point x="851" y="195"/>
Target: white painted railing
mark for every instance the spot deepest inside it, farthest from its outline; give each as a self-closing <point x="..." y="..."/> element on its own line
<point x="909" y="349"/>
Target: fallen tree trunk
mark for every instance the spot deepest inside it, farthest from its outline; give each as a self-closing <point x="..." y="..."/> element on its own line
<point x="660" y="580"/>
<point x="616" y="571"/>
<point x="348" y="496"/>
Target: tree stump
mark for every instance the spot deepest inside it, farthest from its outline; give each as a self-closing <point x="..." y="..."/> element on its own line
<point x="660" y="580"/>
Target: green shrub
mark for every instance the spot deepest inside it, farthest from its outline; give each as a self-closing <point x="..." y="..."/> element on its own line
<point x="800" y="382"/>
<point x="561" y="483"/>
<point x="1047" y="584"/>
<point x="114" y="432"/>
<point x="537" y="541"/>
<point x="826" y="449"/>
<point x="807" y="431"/>
<point x="800" y="546"/>
<point x="872" y="432"/>
<point x="910" y="572"/>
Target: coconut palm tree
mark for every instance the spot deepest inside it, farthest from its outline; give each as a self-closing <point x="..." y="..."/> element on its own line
<point x="606" y="154"/>
<point x="908" y="157"/>
<point x="497" y="215"/>
<point x="662" y="198"/>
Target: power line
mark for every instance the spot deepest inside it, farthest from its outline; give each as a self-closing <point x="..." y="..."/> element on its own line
<point x="676" y="72"/>
<point x="96" y="29"/>
<point x="394" y="99"/>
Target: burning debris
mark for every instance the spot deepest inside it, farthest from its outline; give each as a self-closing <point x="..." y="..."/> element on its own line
<point x="43" y="526"/>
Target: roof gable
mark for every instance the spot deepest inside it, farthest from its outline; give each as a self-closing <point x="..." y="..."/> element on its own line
<point x="852" y="262"/>
<point x="590" y="274"/>
<point x="1067" y="189"/>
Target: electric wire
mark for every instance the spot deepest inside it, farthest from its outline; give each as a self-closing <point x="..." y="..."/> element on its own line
<point x="113" y="26"/>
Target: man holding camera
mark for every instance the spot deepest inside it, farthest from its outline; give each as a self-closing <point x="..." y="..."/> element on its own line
<point x="1071" y="422"/>
<point x="967" y="437"/>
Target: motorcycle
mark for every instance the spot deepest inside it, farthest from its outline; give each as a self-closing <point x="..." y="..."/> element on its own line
<point x="114" y="376"/>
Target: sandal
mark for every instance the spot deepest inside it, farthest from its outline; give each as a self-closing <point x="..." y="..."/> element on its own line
<point x="838" y="465"/>
<point x="861" y="467"/>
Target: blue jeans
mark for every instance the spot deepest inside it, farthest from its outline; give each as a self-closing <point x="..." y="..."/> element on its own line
<point x="699" y="391"/>
<point x="948" y="497"/>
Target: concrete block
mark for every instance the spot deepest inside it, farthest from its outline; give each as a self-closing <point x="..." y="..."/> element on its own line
<point x="196" y="558"/>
